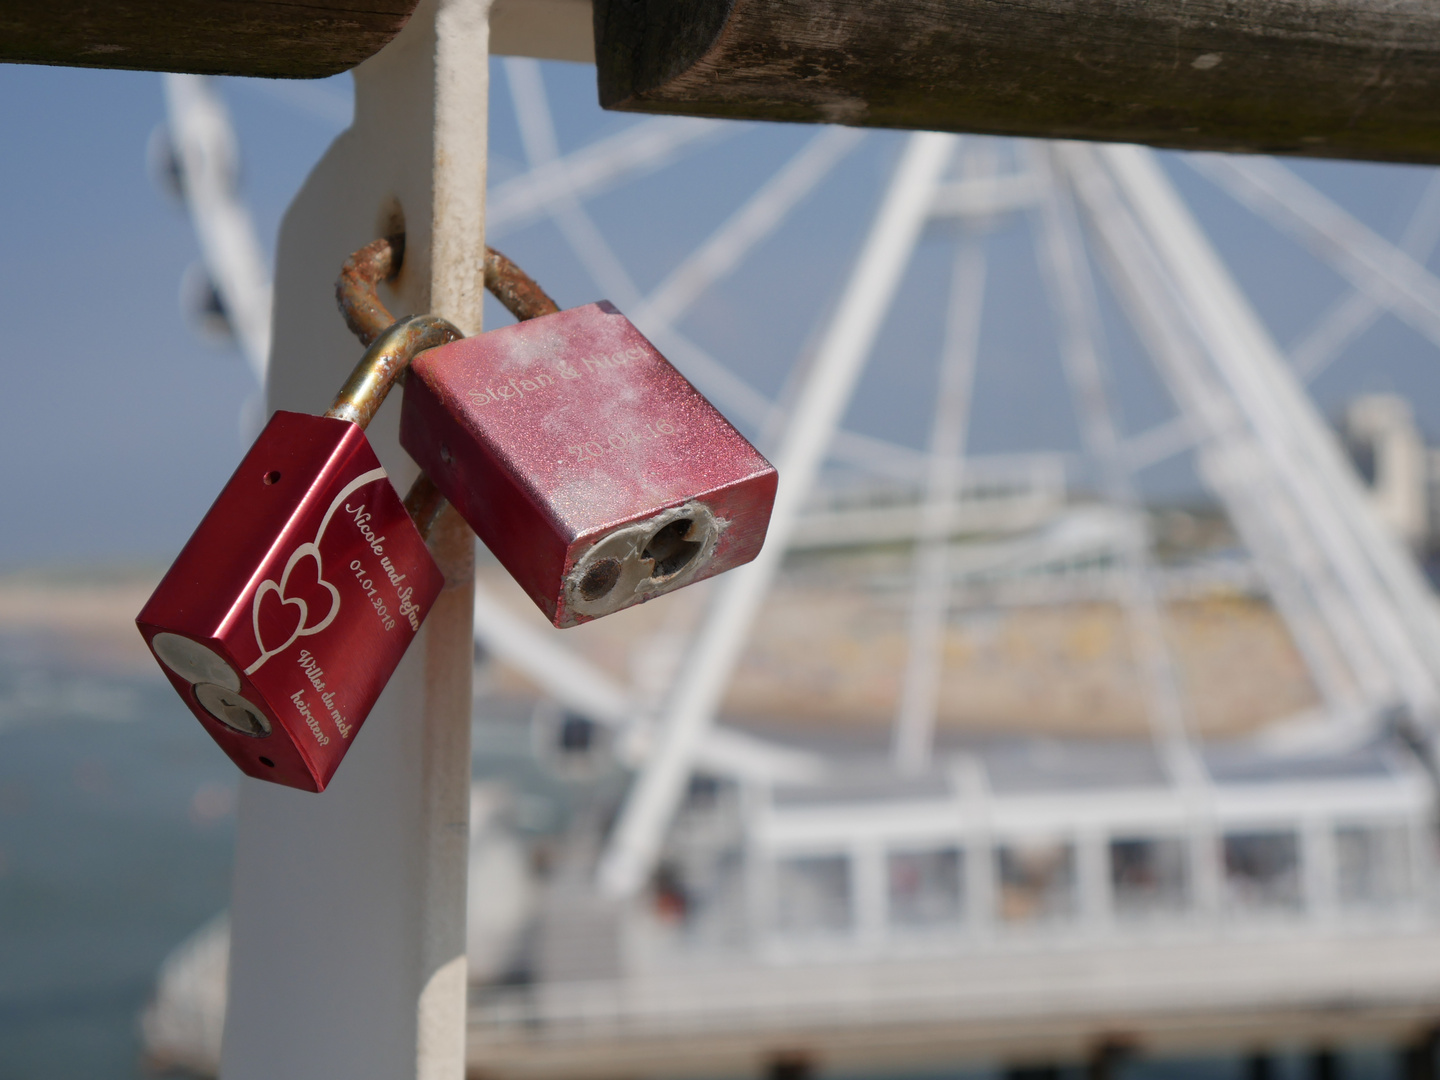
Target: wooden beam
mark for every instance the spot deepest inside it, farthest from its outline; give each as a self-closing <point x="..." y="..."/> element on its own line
<point x="1324" y="78"/>
<point x="277" y="38"/>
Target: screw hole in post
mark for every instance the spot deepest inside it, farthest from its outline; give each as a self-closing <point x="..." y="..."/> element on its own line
<point x="272" y="477"/>
<point x="267" y="761"/>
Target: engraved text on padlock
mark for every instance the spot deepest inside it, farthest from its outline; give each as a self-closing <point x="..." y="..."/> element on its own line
<point x="285" y="614"/>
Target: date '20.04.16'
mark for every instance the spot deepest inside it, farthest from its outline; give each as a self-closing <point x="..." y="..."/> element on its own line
<point x="595" y="449"/>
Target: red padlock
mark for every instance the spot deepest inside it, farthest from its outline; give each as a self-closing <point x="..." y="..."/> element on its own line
<point x="287" y="611"/>
<point x="595" y="473"/>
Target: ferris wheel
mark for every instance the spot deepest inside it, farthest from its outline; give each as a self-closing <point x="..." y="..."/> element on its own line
<point x="1107" y="227"/>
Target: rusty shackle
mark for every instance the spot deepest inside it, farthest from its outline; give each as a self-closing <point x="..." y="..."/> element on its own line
<point x="393" y="343"/>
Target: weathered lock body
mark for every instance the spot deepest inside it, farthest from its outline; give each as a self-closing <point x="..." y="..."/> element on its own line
<point x="595" y="473"/>
<point x="289" y="608"/>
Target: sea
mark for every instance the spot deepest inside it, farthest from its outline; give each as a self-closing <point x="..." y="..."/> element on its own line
<point x="117" y="831"/>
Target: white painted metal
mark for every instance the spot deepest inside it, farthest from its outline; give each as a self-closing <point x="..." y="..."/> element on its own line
<point x="204" y="147"/>
<point x="1384" y="584"/>
<point x="637" y="150"/>
<point x="580" y="686"/>
<point x="348" y="919"/>
<point x="1333" y="332"/>
<point x="1162" y="442"/>
<point x="1072" y="297"/>
<point x="1301" y="583"/>
<point x="1387" y="274"/>
<point x="1391" y="277"/>
<point x="739" y="234"/>
<point x="537" y="135"/>
<point x="1001" y="493"/>
<point x="914" y="730"/>
<point x="637" y="835"/>
<point x="1344" y="322"/>
<point x="1323" y="569"/>
<point x="1116" y="811"/>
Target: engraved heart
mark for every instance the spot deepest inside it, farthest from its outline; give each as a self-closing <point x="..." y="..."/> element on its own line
<point x="303" y="589"/>
<point x="303" y="581"/>
<point x="277" y="618"/>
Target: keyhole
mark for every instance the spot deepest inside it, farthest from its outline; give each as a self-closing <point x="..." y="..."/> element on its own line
<point x="272" y="477"/>
<point x="670" y="550"/>
<point x="600" y="579"/>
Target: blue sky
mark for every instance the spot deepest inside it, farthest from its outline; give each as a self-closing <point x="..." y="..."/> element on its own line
<point x="119" y="424"/>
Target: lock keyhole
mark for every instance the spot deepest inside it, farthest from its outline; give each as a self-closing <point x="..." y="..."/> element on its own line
<point x="600" y="579"/>
<point x="670" y="550"/>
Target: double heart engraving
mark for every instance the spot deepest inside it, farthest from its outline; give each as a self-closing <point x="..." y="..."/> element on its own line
<point x="292" y="605"/>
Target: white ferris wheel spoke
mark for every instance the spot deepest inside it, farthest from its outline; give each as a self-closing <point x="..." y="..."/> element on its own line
<point x="1161" y="442"/>
<point x="537" y="135"/>
<point x="1351" y="676"/>
<point x="204" y="146"/>
<point x="914" y="728"/>
<point x="757" y="219"/>
<point x="1313" y="353"/>
<point x="1066" y="273"/>
<point x="1382" y="582"/>
<point x="578" y="685"/>
<point x="1390" y="276"/>
<point x="642" y="148"/>
<point x="656" y="792"/>
<point x="1345" y="322"/>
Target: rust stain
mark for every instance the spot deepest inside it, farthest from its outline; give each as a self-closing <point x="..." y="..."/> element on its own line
<point x="361" y="275"/>
<point x="516" y="289"/>
<point x="380" y="260"/>
<point x="393" y="343"/>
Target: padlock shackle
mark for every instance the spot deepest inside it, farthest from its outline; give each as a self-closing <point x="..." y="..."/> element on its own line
<point x="367" y="317"/>
<point x="516" y="289"/>
<point x="393" y="344"/>
<point x="361" y="275"/>
<point x="384" y="362"/>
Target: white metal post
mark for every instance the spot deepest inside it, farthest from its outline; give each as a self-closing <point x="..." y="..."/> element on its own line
<point x="348" y="940"/>
<point x="1318" y="870"/>
<point x="972" y="785"/>
<point x="1092" y="880"/>
<point x="869" y="889"/>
